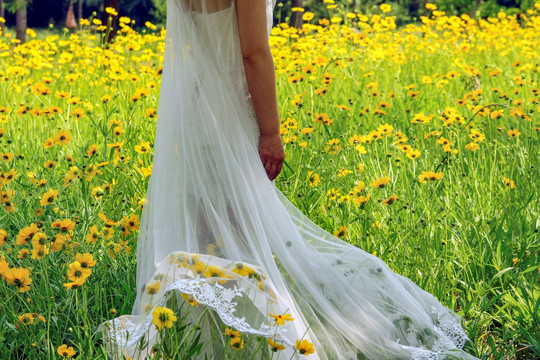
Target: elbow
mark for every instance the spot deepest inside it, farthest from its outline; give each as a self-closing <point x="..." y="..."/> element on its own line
<point x="257" y="55"/>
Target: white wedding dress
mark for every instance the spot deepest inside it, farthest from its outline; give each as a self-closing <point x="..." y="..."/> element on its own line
<point x="216" y="228"/>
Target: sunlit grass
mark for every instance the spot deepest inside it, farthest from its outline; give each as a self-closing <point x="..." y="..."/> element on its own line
<point x="418" y="144"/>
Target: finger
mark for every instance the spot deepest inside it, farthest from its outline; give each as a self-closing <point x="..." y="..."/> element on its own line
<point x="273" y="171"/>
<point x="279" y="169"/>
<point x="268" y="167"/>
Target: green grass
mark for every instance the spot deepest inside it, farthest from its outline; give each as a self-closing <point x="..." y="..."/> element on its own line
<point x="467" y="238"/>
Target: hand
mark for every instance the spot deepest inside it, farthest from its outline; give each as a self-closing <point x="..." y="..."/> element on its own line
<point x="272" y="154"/>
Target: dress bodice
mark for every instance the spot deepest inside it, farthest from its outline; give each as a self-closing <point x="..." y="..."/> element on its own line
<point x="219" y="31"/>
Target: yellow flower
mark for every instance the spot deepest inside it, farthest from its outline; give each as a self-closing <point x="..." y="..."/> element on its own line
<point x="190" y="299"/>
<point x="48" y="143"/>
<point x="39" y="240"/>
<point x="361" y="200"/>
<point x="131" y="222"/>
<point x="75" y="284"/>
<point x="385" y="129"/>
<point x="65" y="225"/>
<point x="429" y="176"/>
<point x="308" y="16"/>
<point x="93" y="235"/>
<point x="143" y="148"/>
<point x="62" y="137"/>
<point x="108" y="222"/>
<point x="152" y="289"/>
<point x="313" y="179"/>
<point x="163" y="317"/>
<point x="213" y="271"/>
<point x="3" y="236"/>
<point x="50" y="196"/>
<point x="275" y="346"/>
<point x="39" y="252"/>
<point x="58" y="242"/>
<point x="232" y="333"/>
<point x="151" y="113"/>
<point x="23" y="253"/>
<point x="386" y="8"/>
<point x="304" y="347"/>
<point x="390" y="200"/>
<point x="3" y="265"/>
<point x="421" y="118"/>
<point x="78" y="113"/>
<point x="280" y="319"/>
<point x="413" y="154"/>
<point x="242" y="269"/>
<point x="508" y="183"/>
<point x="6" y="156"/>
<point x="472" y="146"/>
<point x="112" y="11"/>
<point x="358" y="189"/>
<point x="380" y="183"/>
<point x="343" y="172"/>
<point x="427" y="80"/>
<point x="86" y="260"/>
<point x="105" y="98"/>
<point x="237" y="343"/>
<point x="76" y="271"/>
<point x="27" y="318"/>
<point x="513" y="133"/>
<point x="65" y="351"/>
<point x="49" y="164"/>
<point x="91" y="150"/>
<point x="341" y="232"/>
<point x="149" y="25"/>
<point x="19" y="277"/>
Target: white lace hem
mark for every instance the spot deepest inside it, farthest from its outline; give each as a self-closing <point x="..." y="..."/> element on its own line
<point x="218" y="298"/>
<point x="450" y="336"/>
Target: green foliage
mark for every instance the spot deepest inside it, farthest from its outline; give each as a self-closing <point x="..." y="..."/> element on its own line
<point x="159" y="12"/>
<point x="407" y="11"/>
<point x="13" y="5"/>
<point x="484" y="8"/>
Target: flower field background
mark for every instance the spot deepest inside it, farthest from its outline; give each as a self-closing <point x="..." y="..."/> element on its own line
<point x="418" y="144"/>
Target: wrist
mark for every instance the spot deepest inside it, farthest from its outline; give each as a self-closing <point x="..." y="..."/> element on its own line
<point x="270" y="133"/>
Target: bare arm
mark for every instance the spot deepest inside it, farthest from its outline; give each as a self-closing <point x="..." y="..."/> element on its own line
<point x="259" y="67"/>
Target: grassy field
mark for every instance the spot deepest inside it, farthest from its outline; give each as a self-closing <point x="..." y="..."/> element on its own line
<point x="418" y="144"/>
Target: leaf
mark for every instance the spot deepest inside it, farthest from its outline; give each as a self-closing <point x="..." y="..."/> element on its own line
<point x="528" y="270"/>
<point x="500" y="273"/>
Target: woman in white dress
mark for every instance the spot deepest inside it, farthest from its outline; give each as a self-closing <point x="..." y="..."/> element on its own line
<point x="215" y="227"/>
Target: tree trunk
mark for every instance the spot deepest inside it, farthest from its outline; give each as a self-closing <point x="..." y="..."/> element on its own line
<point x="20" y="16"/>
<point x="80" y="12"/>
<point x="296" y="16"/>
<point x="115" y="4"/>
<point x="473" y="11"/>
<point x="70" y="18"/>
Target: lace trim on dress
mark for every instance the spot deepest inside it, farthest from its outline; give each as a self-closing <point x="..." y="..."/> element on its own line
<point x="215" y="296"/>
<point x="450" y="328"/>
<point x="221" y="300"/>
<point x="450" y="336"/>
